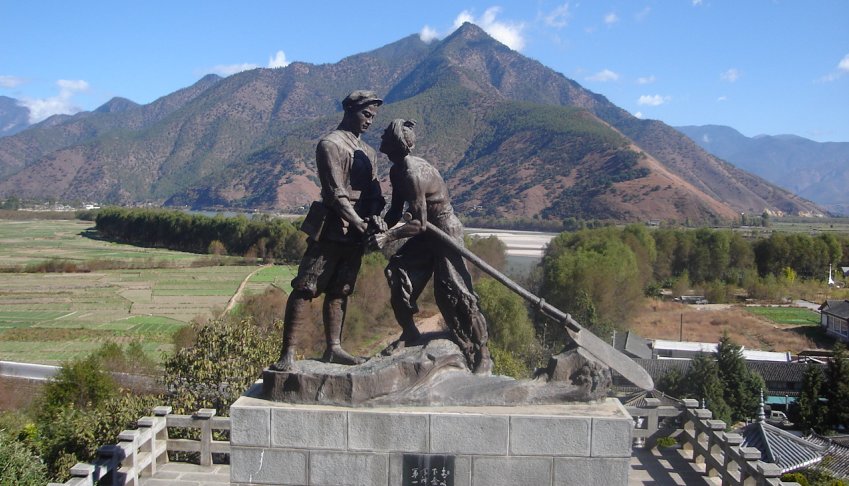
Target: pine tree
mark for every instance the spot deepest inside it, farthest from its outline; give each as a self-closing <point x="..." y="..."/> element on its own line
<point x="703" y="377"/>
<point x="837" y="391"/>
<point x="811" y="412"/>
<point x="741" y="387"/>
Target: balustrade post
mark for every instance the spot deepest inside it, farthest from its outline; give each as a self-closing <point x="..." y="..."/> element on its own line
<point x="714" y="447"/>
<point x="729" y="442"/>
<point x="751" y="456"/>
<point x="689" y="425"/>
<point x="768" y="474"/>
<point x="702" y="416"/>
<point x="129" y="440"/>
<point x="205" y="414"/>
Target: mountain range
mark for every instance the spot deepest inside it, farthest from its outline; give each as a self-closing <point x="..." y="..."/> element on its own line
<point x="512" y="138"/>
<point x="818" y="171"/>
<point x="13" y="117"/>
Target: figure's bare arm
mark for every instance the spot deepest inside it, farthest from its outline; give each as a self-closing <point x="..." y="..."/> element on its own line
<point x="396" y="207"/>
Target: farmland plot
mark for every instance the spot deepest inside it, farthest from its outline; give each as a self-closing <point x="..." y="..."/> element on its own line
<point x="51" y="317"/>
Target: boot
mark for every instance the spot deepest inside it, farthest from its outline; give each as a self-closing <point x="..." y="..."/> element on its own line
<point x="483" y="362"/>
<point x="334" y="318"/>
<point x="297" y="308"/>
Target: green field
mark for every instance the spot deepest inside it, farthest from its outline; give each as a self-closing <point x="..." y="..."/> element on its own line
<point x="790" y="316"/>
<point x="50" y="317"/>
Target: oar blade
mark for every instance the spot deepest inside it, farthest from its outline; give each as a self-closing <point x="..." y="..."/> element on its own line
<point x="613" y="358"/>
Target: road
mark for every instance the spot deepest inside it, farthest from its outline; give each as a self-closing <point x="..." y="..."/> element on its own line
<point x="28" y="371"/>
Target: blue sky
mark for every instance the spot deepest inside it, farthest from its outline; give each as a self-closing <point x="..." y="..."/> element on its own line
<point x="760" y="66"/>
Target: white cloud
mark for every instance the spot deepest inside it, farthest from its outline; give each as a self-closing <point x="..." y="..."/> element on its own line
<point x="843" y="65"/>
<point x="278" y="60"/>
<point x="603" y="76"/>
<point x="730" y="75"/>
<point x="639" y="114"/>
<point x="611" y="18"/>
<point x="646" y="80"/>
<point x="642" y="14"/>
<point x="652" y="100"/>
<point x="228" y="69"/>
<point x="41" y="108"/>
<point x="722" y="98"/>
<point x="559" y="17"/>
<point x="706" y="138"/>
<point x="508" y="33"/>
<point x="697" y="3"/>
<point x="842" y="68"/>
<point x="428" y="34"/>
<point x="10" y="81"/>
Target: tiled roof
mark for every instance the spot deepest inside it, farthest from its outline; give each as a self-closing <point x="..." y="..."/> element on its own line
<point x="639" y="399"/>
<point x="779" y="447"/>
<point x="839" y="308"/>
<point x="836" y="458"/>
<point x="632" y="344"/>
<point x="769" y="370"/>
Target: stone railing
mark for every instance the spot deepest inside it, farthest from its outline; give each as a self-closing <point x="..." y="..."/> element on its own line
<point x="708" y="442"/>
<point x="139" y="452"/>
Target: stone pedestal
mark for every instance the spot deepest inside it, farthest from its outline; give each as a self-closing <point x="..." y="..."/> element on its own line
<point x="276" y="443"/>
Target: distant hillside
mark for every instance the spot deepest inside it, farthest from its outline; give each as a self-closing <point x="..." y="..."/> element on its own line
<point x="13" y="116"/>
<point x="818" y="171"/>
<point x="512" y="137"/>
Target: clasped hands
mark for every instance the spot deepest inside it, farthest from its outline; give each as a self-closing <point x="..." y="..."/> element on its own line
<point x="375" y="237"/>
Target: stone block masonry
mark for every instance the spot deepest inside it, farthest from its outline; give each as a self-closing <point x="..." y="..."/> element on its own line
<point x="275" y="443"/>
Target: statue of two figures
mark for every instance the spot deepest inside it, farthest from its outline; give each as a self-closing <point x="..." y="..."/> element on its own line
<point x="348" y="220"/>
<point x="344" y="224"/>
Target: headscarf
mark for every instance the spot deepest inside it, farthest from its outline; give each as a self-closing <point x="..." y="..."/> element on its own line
<point x="403" y="132"/>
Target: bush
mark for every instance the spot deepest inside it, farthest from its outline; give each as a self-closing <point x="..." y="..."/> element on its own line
<point x="506" y="363"/>
<point x="19" y="465"/>
<point x="667" y="442"/>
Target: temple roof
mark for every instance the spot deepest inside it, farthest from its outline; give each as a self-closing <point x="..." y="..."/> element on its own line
<point x="780" y="447"/>
<point x="836" y="458"/>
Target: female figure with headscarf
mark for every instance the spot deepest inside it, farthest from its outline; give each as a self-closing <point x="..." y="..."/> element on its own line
<point x="418" y="188"/>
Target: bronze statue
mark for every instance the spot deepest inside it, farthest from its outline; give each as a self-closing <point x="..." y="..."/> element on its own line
<point x="350" y="207"/>
<point x="419" y="186"/>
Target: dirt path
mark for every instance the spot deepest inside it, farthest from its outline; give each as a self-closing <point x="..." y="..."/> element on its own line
<point x="238" y="295"/>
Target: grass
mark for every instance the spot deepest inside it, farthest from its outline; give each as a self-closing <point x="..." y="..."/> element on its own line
<point x="791" y="316"/>
<point x="669" y="320"/>
<point x="51" y="317"/>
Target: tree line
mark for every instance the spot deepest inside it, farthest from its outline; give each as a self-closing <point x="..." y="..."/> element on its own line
<point x="599" y="275"/>
<point x="261" y="236"/>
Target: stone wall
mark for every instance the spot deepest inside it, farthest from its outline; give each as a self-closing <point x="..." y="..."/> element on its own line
<point x="283" y="444"/>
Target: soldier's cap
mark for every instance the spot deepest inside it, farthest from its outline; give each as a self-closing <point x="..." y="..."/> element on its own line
<point x="361" y="98"/>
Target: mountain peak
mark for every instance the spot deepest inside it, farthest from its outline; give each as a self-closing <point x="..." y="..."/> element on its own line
<point x="116" y="105"/>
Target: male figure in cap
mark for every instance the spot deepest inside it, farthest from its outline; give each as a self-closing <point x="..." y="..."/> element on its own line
<point x="352" y="199"/>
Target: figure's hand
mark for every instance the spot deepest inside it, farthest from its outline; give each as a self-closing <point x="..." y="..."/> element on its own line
<point x="380" y="224"/>
<point x="374" y="225"/>
<point x="377" y="241"/>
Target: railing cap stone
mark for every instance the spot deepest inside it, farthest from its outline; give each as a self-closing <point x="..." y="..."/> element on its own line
<point x="162" y="410"/>
<point x="81" y="469"/>
<point x="769" y="470"/>
<point x="731" y="438"/>
<point x="129" y="435"/>
<point x="750" y="453"/>
<point x="691" y="403"/>
<point x="205" y="413"/>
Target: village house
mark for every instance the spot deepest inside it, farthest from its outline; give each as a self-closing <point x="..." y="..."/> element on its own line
<point x="834" y="318"/>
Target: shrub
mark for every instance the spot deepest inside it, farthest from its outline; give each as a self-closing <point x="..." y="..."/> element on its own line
<point x="667" y="442"/>
<point x="19" y="465"/>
